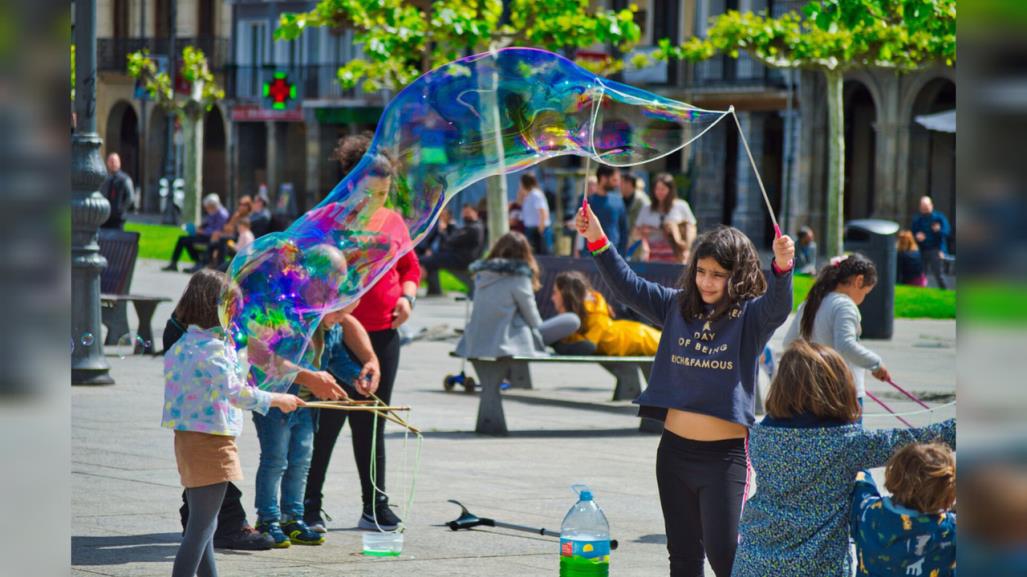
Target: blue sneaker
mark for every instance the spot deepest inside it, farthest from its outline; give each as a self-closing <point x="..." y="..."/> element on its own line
<point x="274" y="530"/>
<point x="300" y="534"/>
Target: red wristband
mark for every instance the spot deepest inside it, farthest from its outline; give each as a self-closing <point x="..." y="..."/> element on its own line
<point x="594" y="246"/>
<point x="778" y="270"/>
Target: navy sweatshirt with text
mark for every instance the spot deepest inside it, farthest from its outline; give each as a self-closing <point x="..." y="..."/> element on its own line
<point x="701" y="366"/>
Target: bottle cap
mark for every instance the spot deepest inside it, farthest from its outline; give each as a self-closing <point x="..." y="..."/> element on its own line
<point x="583" y="492"/>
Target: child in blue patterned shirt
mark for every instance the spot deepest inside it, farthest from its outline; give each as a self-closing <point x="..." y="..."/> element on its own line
<point x="913" y="532"/>
<point x="806" y="454"/>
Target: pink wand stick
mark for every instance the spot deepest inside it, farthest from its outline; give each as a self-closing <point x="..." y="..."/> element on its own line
<point x="887" y="408"/>
<point x="911" y="396"/>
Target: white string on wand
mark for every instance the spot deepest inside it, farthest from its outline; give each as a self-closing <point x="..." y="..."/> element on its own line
<point x="759" y="179"/>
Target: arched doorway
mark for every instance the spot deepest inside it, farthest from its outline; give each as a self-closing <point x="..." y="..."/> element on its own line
<point x="156" y="147"/>
<point x="932" y="154"/>
<point x="215" y="177"/>
<point x="860" y="150"/>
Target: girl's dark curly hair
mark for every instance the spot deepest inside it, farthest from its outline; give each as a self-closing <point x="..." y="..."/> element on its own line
<point x="736" y="253"/>
<point x="840" y="270"/>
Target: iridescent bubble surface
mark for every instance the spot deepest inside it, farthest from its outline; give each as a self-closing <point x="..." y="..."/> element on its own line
<point x="479" y="116"/>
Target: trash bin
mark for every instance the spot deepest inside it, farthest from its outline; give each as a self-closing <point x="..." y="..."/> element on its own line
<point x="875" y="239"/>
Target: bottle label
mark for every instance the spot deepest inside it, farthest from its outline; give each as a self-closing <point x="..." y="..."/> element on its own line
<point x="595" y="551"/>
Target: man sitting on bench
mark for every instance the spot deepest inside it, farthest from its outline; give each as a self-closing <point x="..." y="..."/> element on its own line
<point x="457" y="248"/>
<point x="216" y="218"/>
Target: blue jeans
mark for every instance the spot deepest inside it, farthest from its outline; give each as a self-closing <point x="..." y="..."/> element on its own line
<point x="286" y="445"/>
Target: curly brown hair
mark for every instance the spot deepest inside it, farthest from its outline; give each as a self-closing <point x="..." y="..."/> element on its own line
<point x="813" y="379"/>
<point x="736" y="253"/>
<point x="922" y="476"/>
<point x="350" y="149"/>
<point x="199" y="303"/>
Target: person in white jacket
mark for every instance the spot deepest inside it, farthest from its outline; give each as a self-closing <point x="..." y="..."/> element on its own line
<point x="830" y="316"/>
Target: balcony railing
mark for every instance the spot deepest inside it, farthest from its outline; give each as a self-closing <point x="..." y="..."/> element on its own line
<point x="312" y="81"/>
<point x="112" y="53"/>
<point x="722" y="72"/>
<point x="782" y="6"/>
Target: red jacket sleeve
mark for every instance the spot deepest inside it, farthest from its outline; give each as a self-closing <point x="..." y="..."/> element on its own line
<point x="409" y="268"/>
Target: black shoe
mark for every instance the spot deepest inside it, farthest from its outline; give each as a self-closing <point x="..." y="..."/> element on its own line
<point x="173" y="267"/>
<point x="382" y="519"/>
<point x="246" y="539"/>
<point x="195" y="268"/>
<point x="315" y="521"/>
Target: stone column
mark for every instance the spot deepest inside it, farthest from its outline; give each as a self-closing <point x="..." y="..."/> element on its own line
<point x="315" y="157"/>
<point x="888" y="132"/>
<point x="272" y="159"/>
<point x="750" y="208"/>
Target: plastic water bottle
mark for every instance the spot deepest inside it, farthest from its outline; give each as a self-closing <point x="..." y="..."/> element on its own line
<point x="584" y="538"/>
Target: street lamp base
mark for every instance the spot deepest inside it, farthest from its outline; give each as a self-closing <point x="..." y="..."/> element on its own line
<point x="91" y="377"/>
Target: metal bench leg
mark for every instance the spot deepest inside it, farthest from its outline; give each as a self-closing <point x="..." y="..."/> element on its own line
<point x="491" y="420"/>
<point x="144" y="310"/>
<point x="629" y="383"/>
<point x="116" y="319"/>
<point x="520" y="375"/>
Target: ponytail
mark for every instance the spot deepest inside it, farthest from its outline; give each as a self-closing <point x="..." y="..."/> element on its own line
<point x="838" y="271"/>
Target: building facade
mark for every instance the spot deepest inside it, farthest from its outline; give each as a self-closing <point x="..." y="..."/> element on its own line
<point x="148" y="142"/>
<point x="284" y="112"/>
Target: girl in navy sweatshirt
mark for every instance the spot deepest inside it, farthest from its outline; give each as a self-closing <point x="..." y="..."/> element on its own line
<point x="702" y="385"/>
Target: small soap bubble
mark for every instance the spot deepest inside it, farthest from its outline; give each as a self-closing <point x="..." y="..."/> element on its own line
<point x="87" y="339"/>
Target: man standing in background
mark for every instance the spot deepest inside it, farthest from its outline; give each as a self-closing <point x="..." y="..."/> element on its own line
<point x="608" y="206"/>
<point x="932" y="231"/>
<point x="634" y="199"/>
<point x="117" y="189"/>
<point x="534" y="214"/>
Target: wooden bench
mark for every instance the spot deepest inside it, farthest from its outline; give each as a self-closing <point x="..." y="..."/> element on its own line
<point x="121" y="249"/>
<point x="515" y="370"/>
<point x="629" y="371"/>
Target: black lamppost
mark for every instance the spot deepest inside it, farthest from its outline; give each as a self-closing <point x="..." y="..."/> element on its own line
<point x="88" y="210"/>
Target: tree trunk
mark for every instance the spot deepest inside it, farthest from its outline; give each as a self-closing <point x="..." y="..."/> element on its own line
<point x="496" y="192"/>
<point x="192" y="127"/>
<point x="835" y="163"/>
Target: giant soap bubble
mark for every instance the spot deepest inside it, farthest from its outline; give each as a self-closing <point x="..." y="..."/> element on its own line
<point x="479" y="116"/>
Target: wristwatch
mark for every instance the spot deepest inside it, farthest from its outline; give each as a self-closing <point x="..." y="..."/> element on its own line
<point x="410" y="299"/>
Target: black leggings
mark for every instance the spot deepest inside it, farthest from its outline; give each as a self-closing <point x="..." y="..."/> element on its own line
<point x="702" y="488"/>
<point x="196" y="553"/>
<point x="386" y="347"/>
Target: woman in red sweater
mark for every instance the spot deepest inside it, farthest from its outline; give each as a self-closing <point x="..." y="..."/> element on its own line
<point x="382" y="310"/>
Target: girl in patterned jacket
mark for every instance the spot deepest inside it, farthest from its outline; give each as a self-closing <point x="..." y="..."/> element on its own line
<point x="806" y="453"/>
<point x="205" y="393"/>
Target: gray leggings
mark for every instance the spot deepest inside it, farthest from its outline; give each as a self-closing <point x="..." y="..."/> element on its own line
<point x="555" y="329"/>
<point x="196" y="554"/>
<point x="559" y="327"/>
